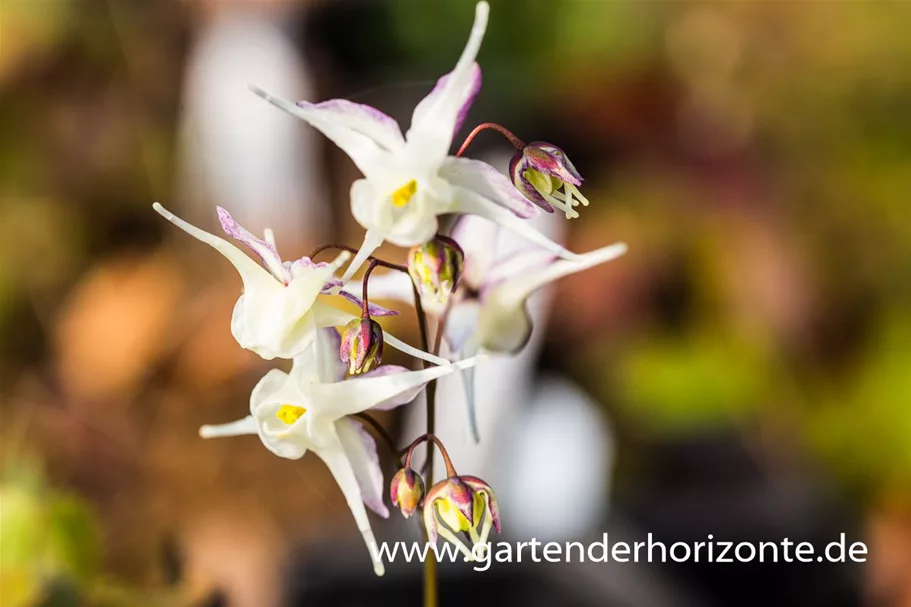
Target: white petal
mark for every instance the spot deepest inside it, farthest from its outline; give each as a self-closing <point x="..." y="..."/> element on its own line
<point x="465" y="97"/>
<point x="519" y="287"/>
<point x="253" y="275"/>
<point x="320" y="362"/>
<point x="362" y="393"/>
<point x="461" y="323"/>
<point x="372" y="240"/>
<point x="435" y="118"/>
<point x="361" y="451"/>
<point x="337" y="461"/>
<point x="400" y="399"/>
<point x="468" y="383"/>
<point x="504" y="324"/>
<point x="468" y="201"/>
<point x="243" y="426"/>
<point x="369" y="156"/>
<point x="488" y="182"/>
<point x="479" y="239"/>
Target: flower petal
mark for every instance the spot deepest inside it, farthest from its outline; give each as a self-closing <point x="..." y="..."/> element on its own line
<point x="486" y="181"/>
<point x="336" y="459"/>
<point x="362" y="393"/>
<point x="247" y="425"/>
<point x="468" y="201"/>
<point x="479" y="239"/>
<point x="361" y="451"/>
<point x="504" y="324"/>
<point x="372" y="240"/>
<point x="400" y="399"/>
<point x="320" y="362"/>
<point x="436" y="118"/>
<point x="253" y="275"/>
<point x="266" y="251"/>
<point x="466" y="96"/>
<point x="370" y="155"/>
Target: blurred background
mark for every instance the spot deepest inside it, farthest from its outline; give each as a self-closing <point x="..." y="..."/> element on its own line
<point x="744" y="371"/>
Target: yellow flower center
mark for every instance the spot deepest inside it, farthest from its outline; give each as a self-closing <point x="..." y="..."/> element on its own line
<point x="289" y="413"/>
<point x="402" y="196"/>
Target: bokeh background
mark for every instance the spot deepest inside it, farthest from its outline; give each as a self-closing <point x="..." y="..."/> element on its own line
<point x="749" y="359"/>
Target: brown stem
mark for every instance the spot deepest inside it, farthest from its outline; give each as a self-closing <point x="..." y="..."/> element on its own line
<point x="431" y="439"/>
<point x="341" y="247"/>
<point x="515" y="141"/>
<point x="365" y="303"/>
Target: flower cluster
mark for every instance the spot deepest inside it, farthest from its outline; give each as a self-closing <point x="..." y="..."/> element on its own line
<point x="286" y="308"/>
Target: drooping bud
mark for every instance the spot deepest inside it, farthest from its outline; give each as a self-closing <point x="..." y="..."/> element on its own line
<point x="406" y="491"/>
<point x="362" y="345"/>
<point x="461" y="504"/>
<point x="435" y="267"/>
<point x="546" y="177"/>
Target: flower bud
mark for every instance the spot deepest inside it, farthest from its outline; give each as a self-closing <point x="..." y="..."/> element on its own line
<point x="461" y="504"/>
<point x="406" y="491"/>
<point x="362" y="345"/>
<point x="435" y="267"/>
<point x="546" y="177"/>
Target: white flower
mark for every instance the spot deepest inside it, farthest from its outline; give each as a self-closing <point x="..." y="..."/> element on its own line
<point x="487" y="311"/>
<point x="279" y="311"/>
<point x="307" y="409"/>
<point x="409" y="181"/>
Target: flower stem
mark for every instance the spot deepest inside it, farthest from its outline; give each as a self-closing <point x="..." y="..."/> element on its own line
<point x="515" y="141"/>
<point x="365" y="302"/>
<point x="430" y="564"/>
<point x="341" y="247"/>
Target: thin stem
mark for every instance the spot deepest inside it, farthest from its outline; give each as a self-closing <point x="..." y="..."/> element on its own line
<point x="430" y="439"/>
<point x="341" y="247"/>
<point x="430" y="564"/>
<point x="515" y="141"/>
<point x="365" y="303"/>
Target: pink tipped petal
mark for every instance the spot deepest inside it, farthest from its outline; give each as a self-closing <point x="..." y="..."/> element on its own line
<point x="266" y="251"/>
<point x="553" y="162"/>
<point x="467" y="97"/>
<point x="486" y="181"/>
<point x="374" y="309"/>
<point x="490" y="498"/>
<point x="363" y="119"/>
<point x="361" y="451"/>
<point x="253" y="275"/>
<point x="436" y="118"/>
<point x="370" y="156"/>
